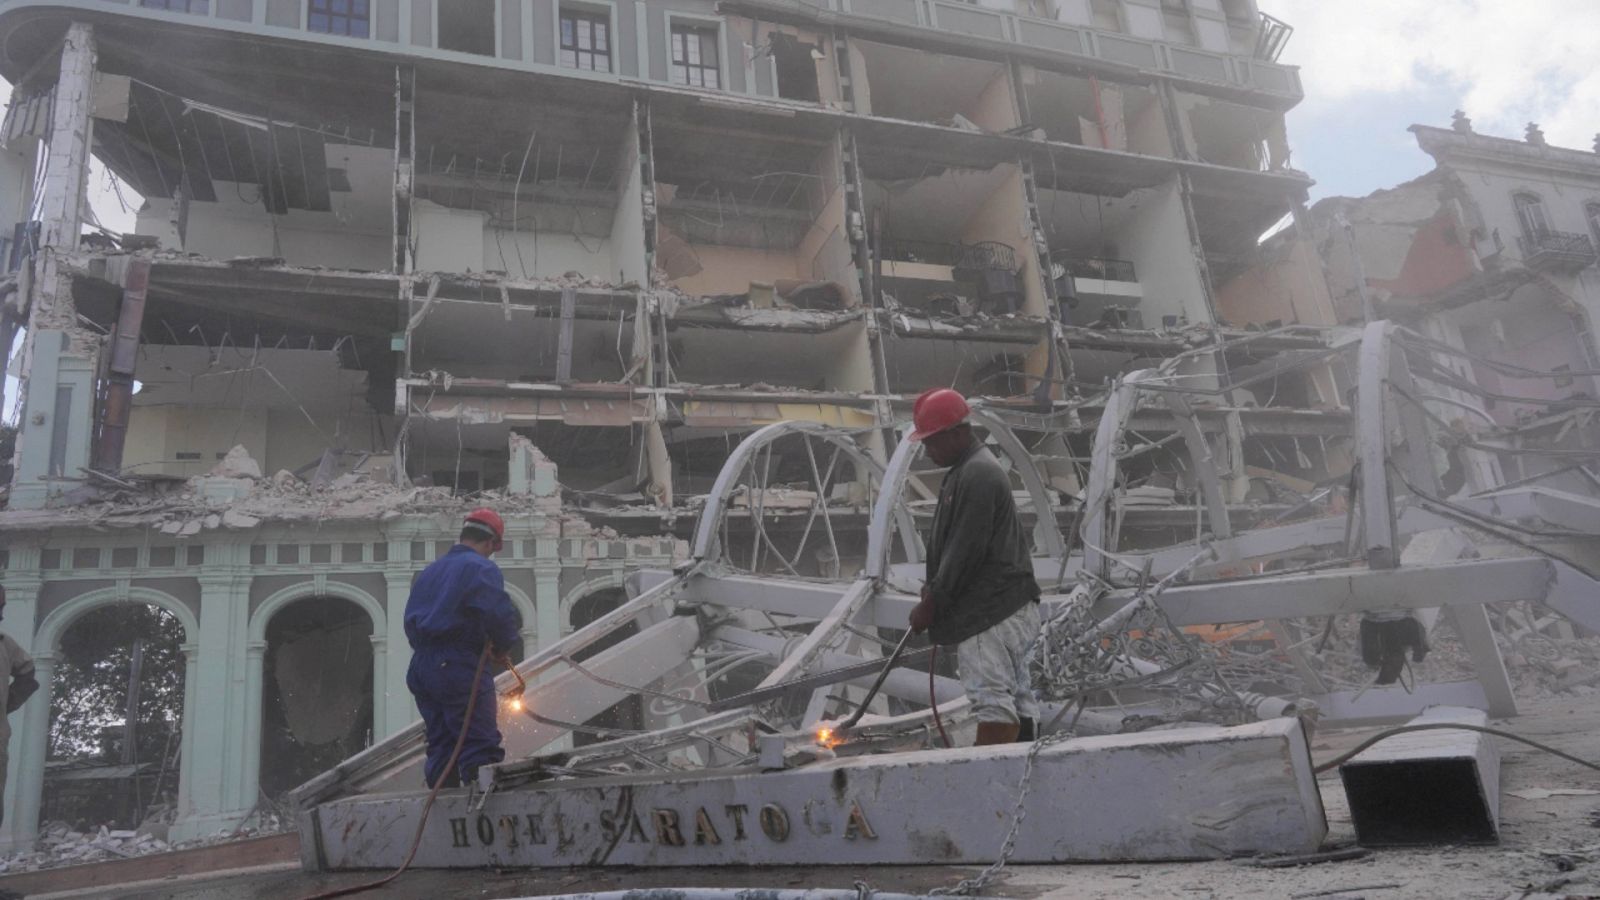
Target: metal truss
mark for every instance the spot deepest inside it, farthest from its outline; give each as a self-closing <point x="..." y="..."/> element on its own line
<point x="766" y="605"/>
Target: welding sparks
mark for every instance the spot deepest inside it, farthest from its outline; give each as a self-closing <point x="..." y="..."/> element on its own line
<point x="827" y="738"/>
<point x="514" y="704"/>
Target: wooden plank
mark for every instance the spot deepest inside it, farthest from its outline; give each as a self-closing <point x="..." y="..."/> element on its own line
<point x="245" y="853"/>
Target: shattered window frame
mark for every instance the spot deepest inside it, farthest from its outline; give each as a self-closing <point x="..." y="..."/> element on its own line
<point x="688" y="66"/>
<point x="349" y="18"/>
<point x="193" y="7"/>
<point x="570" y="39"/>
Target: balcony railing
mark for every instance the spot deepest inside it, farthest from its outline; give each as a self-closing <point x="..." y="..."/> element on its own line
<point x="1271" y="39"/>
<point x="1093" y="267"/>
<point x="963" y="258"/>
<point x="1560" y="251"/>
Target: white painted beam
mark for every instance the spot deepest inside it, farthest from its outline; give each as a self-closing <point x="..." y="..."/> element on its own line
<point x="1196" y="793"/>
<point x="1427" y="787"/>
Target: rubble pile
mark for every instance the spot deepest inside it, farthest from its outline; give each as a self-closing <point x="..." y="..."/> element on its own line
<point x="60" y="845"/>
<point x="235" y="495"/>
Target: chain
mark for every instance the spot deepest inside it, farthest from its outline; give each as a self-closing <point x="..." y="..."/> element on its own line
<point x="1019" y="813"/>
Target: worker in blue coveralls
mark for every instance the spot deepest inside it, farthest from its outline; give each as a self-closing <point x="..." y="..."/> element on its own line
<point x="458" y="604"/>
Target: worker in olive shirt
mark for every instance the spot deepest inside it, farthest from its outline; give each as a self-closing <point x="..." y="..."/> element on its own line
<point x="979" y="593"/>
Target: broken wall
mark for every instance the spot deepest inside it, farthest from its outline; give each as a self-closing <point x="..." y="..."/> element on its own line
<point x="1285" y="285"/>
<point x="1154" y="240"/>
<point x="1003" y="216"/>
<point x="355" y="234"/>
<point x="628" y="259"/>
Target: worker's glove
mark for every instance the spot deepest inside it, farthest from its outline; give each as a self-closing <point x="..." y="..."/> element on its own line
<point x="922" y="616"/>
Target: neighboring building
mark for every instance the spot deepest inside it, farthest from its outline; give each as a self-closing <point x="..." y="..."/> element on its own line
<point x="1493" y="253"/>
<point x="394" y="243"/>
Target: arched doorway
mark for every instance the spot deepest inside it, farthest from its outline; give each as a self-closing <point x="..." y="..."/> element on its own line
<point x="116" y="719"/>
<point x="626" y="714"/>
<point x="316" y="690"/>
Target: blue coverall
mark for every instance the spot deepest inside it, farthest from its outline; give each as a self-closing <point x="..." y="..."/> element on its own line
<point x="457" y="603"/>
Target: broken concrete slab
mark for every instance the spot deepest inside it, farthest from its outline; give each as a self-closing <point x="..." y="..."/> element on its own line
<point x="1193" y="793"/>
<point x="238" y="464"/>
<point x="1427" y="787"/>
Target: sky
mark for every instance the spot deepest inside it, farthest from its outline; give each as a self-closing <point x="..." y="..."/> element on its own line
<point x="1372" y="68"/>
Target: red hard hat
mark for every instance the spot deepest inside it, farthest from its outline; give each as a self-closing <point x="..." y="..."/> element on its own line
<point x="489" y="519"/>
<point x="936" y="410"/>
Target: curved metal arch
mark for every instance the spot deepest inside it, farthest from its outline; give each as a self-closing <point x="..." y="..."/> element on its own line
<point x="1121" y="406"/>
<point x="705" y="546"/>
<point x="1047" y="537"/>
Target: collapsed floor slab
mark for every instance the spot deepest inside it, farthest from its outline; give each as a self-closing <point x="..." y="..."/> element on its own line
<point x="1194" y="793"/>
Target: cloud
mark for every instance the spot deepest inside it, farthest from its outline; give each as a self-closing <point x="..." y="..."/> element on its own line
<point x="1508" y="63"/>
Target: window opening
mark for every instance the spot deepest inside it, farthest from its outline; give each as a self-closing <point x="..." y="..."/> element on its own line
<point x="467" y="26"/>
<point x="1531" y="213"/>
<point x="586" y="41"/>
<point x="198" y="7"/>
<point x="797" y="68"/>
<point x="346" y="17"/>
<point x="695" y="61"/>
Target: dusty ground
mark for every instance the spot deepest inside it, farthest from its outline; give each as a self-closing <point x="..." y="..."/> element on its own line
<point x="1540" y="839"/>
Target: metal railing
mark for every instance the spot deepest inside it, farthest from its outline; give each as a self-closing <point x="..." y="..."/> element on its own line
<point x="1272" y="38"/>
<point x="909" y="251"/>
<point x="1094" y="267"/>
<point x="1561" y="250"/>
<point x="981" y="256"/>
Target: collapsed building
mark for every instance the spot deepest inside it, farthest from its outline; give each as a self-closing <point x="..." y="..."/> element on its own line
<point x="1492" y="256"/>
<point x="624" y="271"/>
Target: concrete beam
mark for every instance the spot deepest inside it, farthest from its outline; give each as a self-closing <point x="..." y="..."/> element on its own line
<point x="1257" y="795"/>
<point x="1427" y="787"/>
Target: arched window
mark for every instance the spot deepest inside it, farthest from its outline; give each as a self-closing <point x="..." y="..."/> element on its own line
<point x="1532" y="216"/>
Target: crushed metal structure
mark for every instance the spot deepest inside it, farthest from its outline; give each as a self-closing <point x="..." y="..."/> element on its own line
<point x="666" y="312"/>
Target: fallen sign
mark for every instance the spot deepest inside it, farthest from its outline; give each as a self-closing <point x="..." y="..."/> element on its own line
<point x="1193" y="793"/>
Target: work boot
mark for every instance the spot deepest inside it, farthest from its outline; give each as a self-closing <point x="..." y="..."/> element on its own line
<point x="1025" y="732"/>
<point x="1384" y="644"/>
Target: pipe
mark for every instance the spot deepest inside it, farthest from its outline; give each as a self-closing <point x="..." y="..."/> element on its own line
<point x="730" y="894"/>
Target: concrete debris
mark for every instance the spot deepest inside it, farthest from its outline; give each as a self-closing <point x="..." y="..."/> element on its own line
<point x="238" y="464"/>
<point x="211" y="502"/>
<point x="60" y="844"/>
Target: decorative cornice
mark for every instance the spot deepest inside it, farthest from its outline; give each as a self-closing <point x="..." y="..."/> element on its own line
<point x="1444" y="143"/>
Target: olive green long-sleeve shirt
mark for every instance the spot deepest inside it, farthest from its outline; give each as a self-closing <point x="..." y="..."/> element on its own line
<point x="979" y="571"/>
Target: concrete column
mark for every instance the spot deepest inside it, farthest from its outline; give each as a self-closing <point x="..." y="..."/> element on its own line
<point x="35" y="728"/>
<point x="380" y="671"/>
<point x="547" y="603"/>
<point x="254" y="675"/>
<point x="218" y="731"/>
<point x="22" y="602"/>
<point x="71" y="135"/>
<point x="191" y="657"/>
<point x="400" y="709"/>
